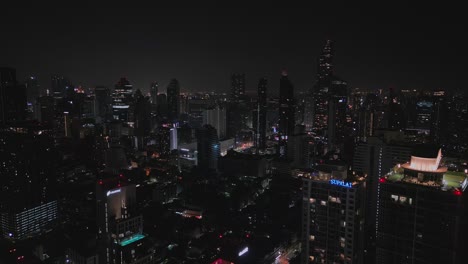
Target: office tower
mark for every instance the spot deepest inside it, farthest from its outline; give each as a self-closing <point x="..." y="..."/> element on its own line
<point x="173" y="138"/>
<point x="120" y="227"/>
<point x="261" y="113"/>
<point x="439" y="117"/>
<point x="208" y="147"/>
<point x="154" y="92"/>
<point x="47" y="110"/>
<point x="142" y="115"/>
<point x="286" y="108"/>
<point x="308" y="112"/>
<point x="321" y="89"/>
<point x="122" y="101"/>
<point x="337" y="110"/>
<point x="374" y="158"/>
<point x="216" y="117"/>
<point x="333" y="215"/>
<point x="28" y="202"/>
<point x="163" y="141"/>
<point x="420" y="212"/>
<point x="173" y="100"/>
<point x="162" y="107"/>
<point x="367" y="120"/>
<point x="299" y="148"/>
<point x="238" y="87"/>
<point x="13" y="102"/>
<point x="102" y="102"/>
<point x="32" y="94"/>
<point x="394" y="118"/>
<point x="60" y="87"/>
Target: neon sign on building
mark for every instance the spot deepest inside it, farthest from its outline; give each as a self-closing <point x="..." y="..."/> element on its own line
<point x="341" y="183"/>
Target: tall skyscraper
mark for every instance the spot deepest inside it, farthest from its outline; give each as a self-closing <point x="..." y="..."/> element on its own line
<point x="261" y="113"/>
<point x="102" y="102"/>
<point x="333" y="215"/>
<point x="216" y="117"/>
<point x="173" y="100"/>
<point x="154" y="92"/>
<point x="420" y="212"/>
<point x="13" y="102"/>
<point x="286" y="108"/>
<point x="32" y="94"/>
<point x="326" y="108"/>
<point x="238" y="87"/>
<point x="142" y="115"/>
<point x="122" y="100"/>
<point x="208" y="147"/>
<point x="120" y="227"/>
<point x="374" y="158"/>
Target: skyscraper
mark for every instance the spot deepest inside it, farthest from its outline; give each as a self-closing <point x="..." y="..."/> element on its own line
<point x="120" y="227"/>
<point x="216" y="117"/>
<point x="32" y="94"/>
<point x="208" y="147"/>
<point x="154" y="92"/>
<point x="173" y="100"/>
<point x="60" y="86"/>
<point x="122" y="100"/>
<point x="28" y="205"/>
<point x="333" y="215"/>
<point x="238" y="87"/>
<point x="101" y="104"/>
<point x="420" y="212"/>
<point x="286" y="108"/>
<point x="13" y="103"/>
<point x="261" y="113"/>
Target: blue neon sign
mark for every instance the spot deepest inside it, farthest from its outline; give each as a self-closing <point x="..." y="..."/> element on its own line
<point x="341" y="183"/>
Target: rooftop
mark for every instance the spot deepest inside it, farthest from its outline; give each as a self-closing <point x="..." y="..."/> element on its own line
<point x="451" y="180"/>
<point x="131" y="239"/>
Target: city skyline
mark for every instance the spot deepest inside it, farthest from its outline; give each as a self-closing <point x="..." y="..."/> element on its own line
<point x="202" y="47"/>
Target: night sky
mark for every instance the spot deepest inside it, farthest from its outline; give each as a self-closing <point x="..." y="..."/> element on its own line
<point x="375" y="47"/>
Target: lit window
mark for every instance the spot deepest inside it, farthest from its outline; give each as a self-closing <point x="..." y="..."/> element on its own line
<point x="395" y="198"/>
<point x="323" y="203"/>
<point x="311" y="200"/>
<point x="312" y="238"/>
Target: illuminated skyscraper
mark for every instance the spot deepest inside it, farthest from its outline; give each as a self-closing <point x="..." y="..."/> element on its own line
<point x="122" y="100"/>
<point x="154" y="92"/>
<point x="420" y="212"/>
<point x="173" y="100"/>
<point x="333" y="215"/>
<point x="120" y="227"/>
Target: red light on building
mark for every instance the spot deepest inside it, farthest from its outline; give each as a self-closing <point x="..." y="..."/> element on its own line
<point x="247" y="235"/>
<point x="100" y="182"/>
<point x="220" y="236"/>
<point x="457" y="192"/>
<point x="382" y="180"/>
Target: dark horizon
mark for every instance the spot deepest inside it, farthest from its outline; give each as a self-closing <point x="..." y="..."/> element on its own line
<point x="202" y="47"/>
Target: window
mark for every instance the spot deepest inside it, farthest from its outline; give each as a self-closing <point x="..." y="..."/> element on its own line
<point x="394" y="198"/>
<point x="311" y="238"/>
<point x="311" y="200"/>
<point x="324" y="203"/>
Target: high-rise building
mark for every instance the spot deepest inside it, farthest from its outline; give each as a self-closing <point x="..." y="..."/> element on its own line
<point x="102" y="102"/>
<point x="28" y="205"/>
<point x="122" y="101"/>
<point x="32" y="94"/>
<point x="60" y="86"/>
<point x="162" y="107"/>
<point x="216" y="117"/>
<point x="13" y="103"/>
<point x="238" y="87"/>
<point x="142" y="115"/>
<point x="173" y="138"/>
<point x="333" y="215"/>
<point x="374" y="158"/>
<point x="208" y="147"/>
<point x="173" y="100"/>
<point x="260" y="126"/>
<point x="286" y="108"/>
<point x="120" y="227"/>
<point x="154" y="92"/>
<point x="420" y="217"/>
